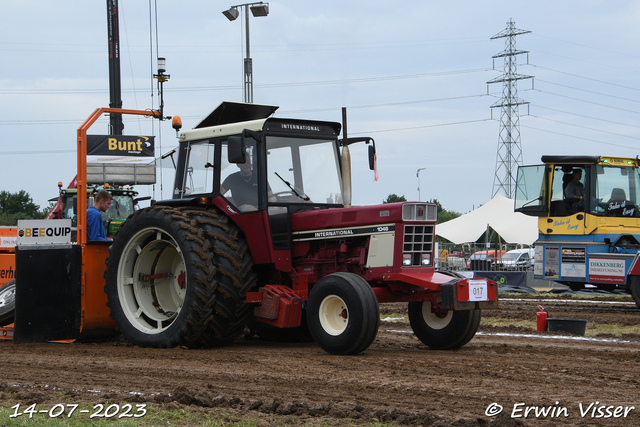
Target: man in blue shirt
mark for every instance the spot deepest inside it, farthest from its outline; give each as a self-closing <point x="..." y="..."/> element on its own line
<point x="95" y="228"/>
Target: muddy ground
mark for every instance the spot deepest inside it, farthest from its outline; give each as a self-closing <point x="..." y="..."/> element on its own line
<point x="397" y="381"/>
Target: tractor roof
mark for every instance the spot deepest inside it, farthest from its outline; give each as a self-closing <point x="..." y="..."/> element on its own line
<point x="571" y="159"/>
<point x="235" y="112"/>
<point x="592" y="160"/>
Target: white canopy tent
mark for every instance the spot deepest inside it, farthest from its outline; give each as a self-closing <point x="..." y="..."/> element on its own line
<point x="498" y="213"/>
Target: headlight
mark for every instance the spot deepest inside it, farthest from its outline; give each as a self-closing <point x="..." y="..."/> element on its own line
<point x="406" y="259"/>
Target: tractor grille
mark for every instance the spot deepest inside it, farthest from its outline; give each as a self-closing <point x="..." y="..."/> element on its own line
<point x="418" y="240"/>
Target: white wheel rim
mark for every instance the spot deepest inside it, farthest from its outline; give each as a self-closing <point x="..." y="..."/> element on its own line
<point x="334" y="315"/>
<point x="432" y="320"/>
<point x="8" y="296"/>
<point x="151" y="304"/>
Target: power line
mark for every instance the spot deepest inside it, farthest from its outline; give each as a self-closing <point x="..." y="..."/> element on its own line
<point x="587" y="128"/>
<point x="586" y="78"/>
<point x="587" y="117"/>
<point x="588" y="102"/>
<point x="22" y="153"/>
<point x="589" y="47"/>
<point x="264" y="85"/>
<point x="420" y="127"/>
<point x="588" y="91"/>
<point x="388" y="104"/>
<point x="577" y="137"/>
<point x="588" y="62"/>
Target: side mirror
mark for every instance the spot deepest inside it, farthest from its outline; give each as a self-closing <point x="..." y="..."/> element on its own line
<point x="372" y="156"/>
<point x="141" y="199"/>
<point x="236" y="148"/>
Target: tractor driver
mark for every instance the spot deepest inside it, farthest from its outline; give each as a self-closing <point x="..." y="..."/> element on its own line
<point x="574" y="193"/>
<point x="244" y="187"/>
<point x="95" y="228"/>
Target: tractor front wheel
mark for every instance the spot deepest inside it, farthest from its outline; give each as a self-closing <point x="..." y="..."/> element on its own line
<point x="445" y="329"/>
<point x="343" y="314"/>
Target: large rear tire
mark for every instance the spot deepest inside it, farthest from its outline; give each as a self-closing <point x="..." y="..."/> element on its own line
<point x="7" y="303"/>
<point x="178" y="276"/>
<point x="447" y="330"/>
<point x="343" y="314"/>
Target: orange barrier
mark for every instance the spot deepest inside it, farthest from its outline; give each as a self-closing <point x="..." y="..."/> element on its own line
<point x="8" y="237"/>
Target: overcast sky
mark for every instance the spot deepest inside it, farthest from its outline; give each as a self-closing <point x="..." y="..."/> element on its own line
<point x="413" y="76"/>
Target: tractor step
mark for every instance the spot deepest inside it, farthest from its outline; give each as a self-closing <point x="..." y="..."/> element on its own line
<point x="280" y="306"/>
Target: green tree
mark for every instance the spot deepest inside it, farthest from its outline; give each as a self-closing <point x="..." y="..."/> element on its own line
<point x="45" y="211"/>
<point x="443" y="214"/>
<point x="392" y="198"/>
<point x="15" y="206"/>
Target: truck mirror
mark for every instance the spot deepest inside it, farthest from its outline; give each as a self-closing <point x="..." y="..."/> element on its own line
<point x="372" y="157"/>
<point x="236" y="149"/>
<point x="141" y="199"/>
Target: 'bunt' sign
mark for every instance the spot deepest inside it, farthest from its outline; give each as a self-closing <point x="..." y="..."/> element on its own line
<point x="120" y="159"/>
<point x="120" y="149"/>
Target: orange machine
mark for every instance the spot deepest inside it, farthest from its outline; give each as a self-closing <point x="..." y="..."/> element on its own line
<point x="59" y="291"/>
<point x="8" y="237"/>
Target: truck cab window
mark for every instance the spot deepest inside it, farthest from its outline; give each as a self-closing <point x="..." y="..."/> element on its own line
<point x="569" y="185"/>
<point x="616" y="191"/>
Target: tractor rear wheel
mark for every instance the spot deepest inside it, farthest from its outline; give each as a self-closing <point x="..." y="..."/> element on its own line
<point x="343" y="314"/>
<point x="7" y="303"/>
<point x="178" y="276"/>
<point x="445" y="330"/>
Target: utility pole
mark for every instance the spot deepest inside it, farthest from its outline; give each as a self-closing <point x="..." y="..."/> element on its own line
<point x="418" y="175"/>
<point x="509" y="155"/>
<point x="115" y="93"/>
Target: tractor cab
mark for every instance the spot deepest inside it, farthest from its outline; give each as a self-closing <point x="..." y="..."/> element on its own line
<point x="122" y="206"/>
<point x="258" y="168"/>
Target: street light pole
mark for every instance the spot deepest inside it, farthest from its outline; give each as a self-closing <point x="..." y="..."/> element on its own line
<point x="418" y="175"/>
<point x="257" y="9"/>
<point x="248" y="66"/>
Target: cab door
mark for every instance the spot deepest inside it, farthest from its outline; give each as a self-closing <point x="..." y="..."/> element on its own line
<point x="566" y="217"/>
<point x="531" y="190"/>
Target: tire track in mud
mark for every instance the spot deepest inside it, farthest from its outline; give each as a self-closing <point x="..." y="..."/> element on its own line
<point x="397" y="380"/>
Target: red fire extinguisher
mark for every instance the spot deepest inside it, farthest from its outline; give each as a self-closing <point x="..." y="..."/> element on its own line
<point x="541" y="319"/>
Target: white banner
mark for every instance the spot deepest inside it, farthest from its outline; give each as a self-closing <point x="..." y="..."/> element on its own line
<point x="44" y="231"/>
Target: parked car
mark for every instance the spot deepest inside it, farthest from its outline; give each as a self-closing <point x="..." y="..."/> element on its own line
<point x="484" y="260"/>
<point x="516" y="260"/>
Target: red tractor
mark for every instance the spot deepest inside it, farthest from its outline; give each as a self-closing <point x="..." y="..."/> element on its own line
<point x="259" y="232"/>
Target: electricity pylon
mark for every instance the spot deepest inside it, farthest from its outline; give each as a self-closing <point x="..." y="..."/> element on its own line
<point x="509" y="154"/>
